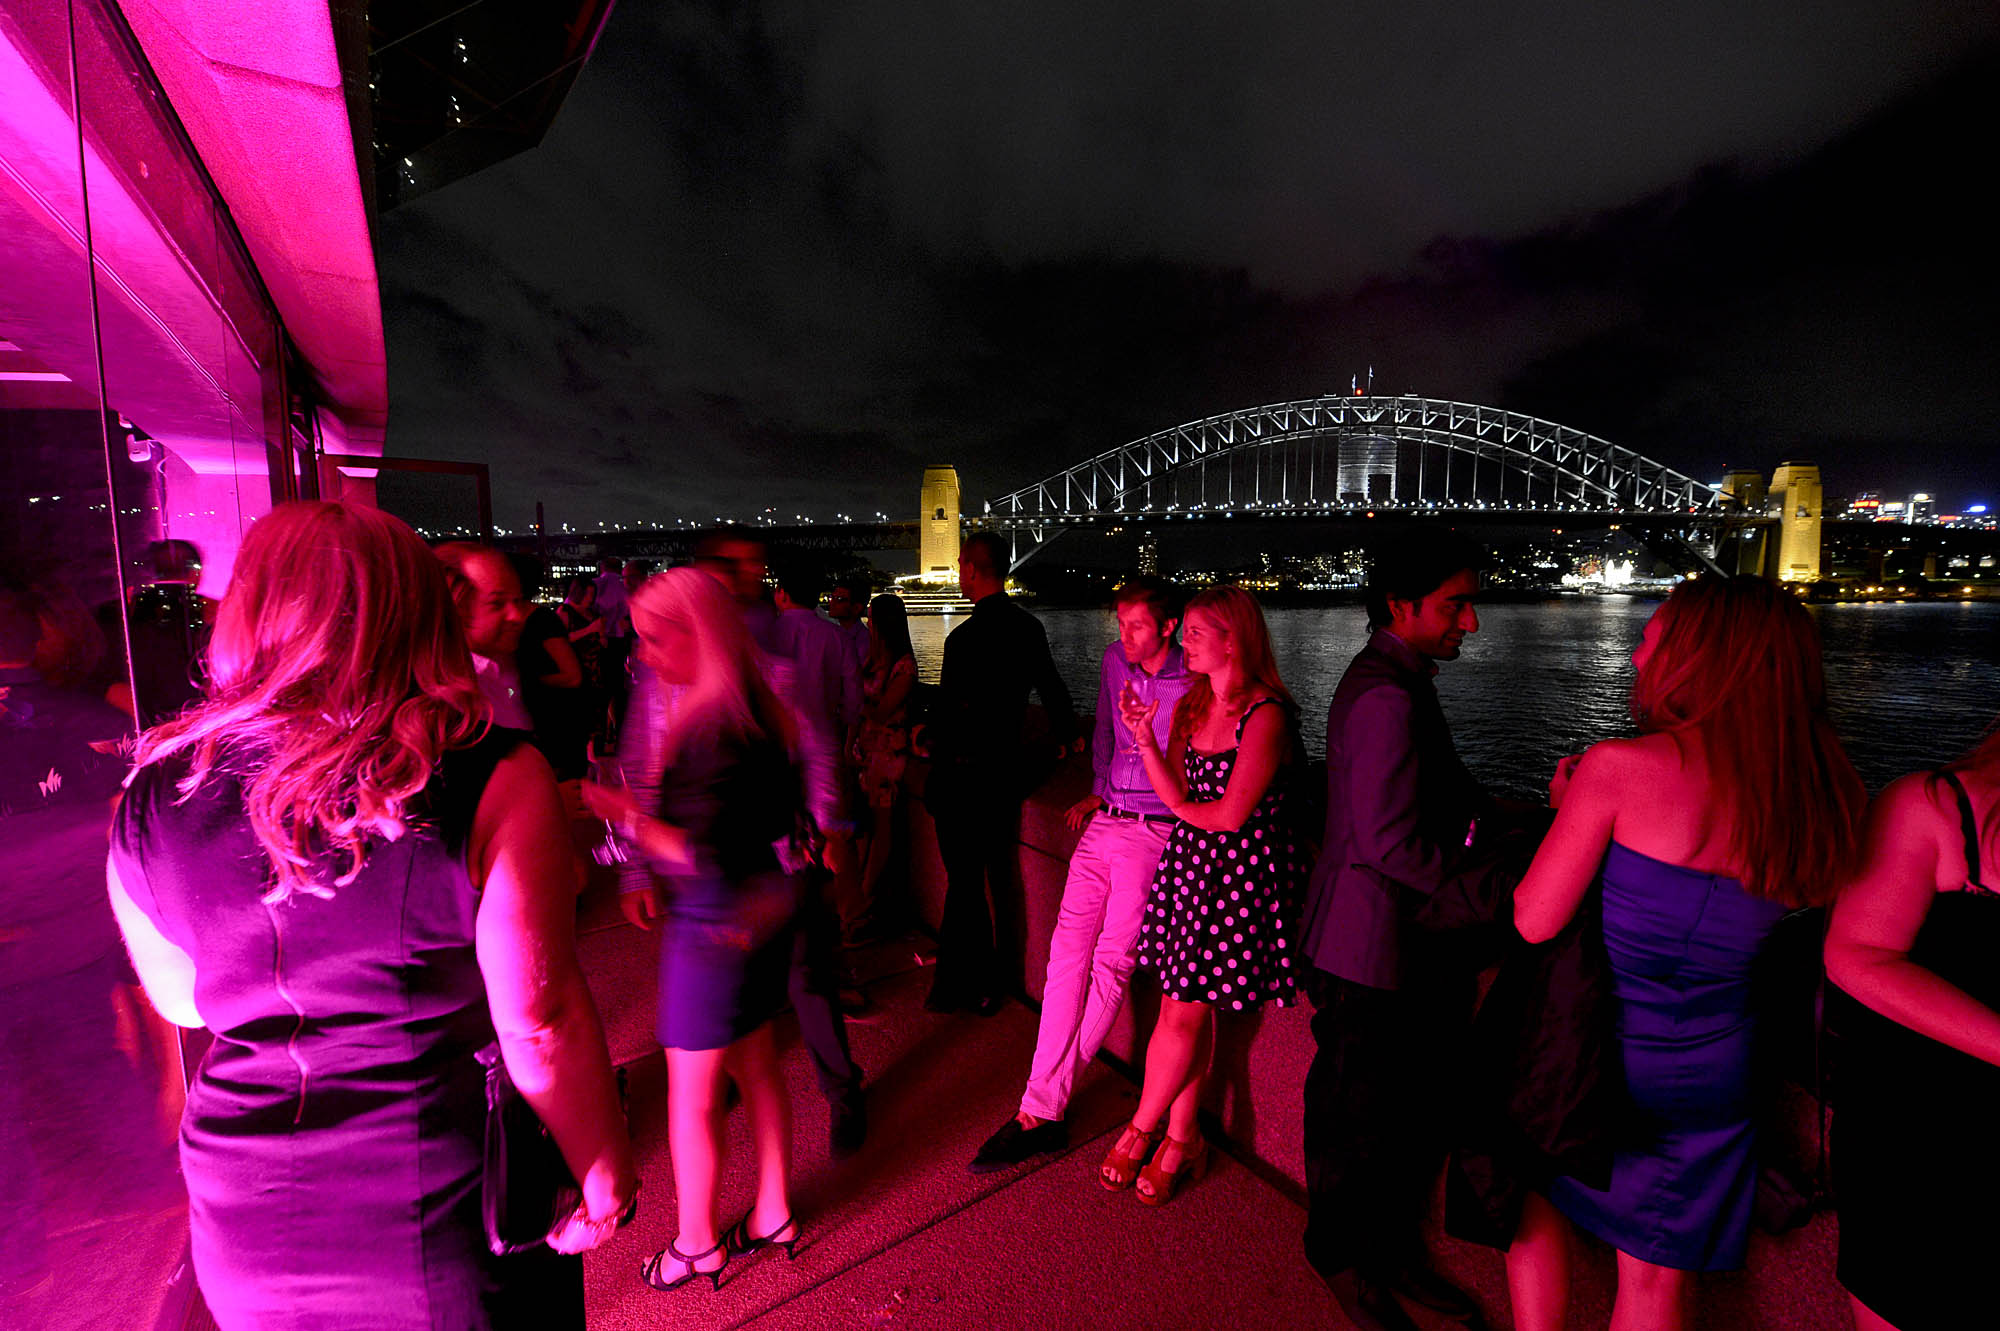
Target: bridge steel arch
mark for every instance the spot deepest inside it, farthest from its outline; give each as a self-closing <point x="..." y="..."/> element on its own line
<point x="1273" y="457"/>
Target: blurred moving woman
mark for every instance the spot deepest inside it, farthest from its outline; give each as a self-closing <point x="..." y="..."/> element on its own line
<point x="1916" y="938"/>
<point x="721" y="838"/>
<point x="1734" y="806"/>
<point x="337" y="868"/>
<point x="1219" y="920"/>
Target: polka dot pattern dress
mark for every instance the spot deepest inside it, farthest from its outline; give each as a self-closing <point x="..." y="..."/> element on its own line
<point x="1218" y="925"/>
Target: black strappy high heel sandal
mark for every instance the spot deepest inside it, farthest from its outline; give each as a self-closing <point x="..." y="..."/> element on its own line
<point x="741" y="1242"/>
<point x="649" y="1270"/>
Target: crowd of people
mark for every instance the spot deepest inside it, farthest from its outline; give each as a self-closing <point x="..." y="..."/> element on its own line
<point x="355" y="860"/>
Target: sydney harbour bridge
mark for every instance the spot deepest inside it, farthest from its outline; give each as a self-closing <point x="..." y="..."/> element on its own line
<point x="1334" y="458"/>
<point x="1329" y="460"/>
<point x="1338" y="461"/>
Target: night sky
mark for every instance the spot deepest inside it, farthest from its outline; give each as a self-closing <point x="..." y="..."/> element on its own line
<point x="787" y="254"/>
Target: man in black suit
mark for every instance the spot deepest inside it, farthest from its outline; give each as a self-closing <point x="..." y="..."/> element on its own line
<point x="981" y="769"/>
<point x="1394" y="996"/>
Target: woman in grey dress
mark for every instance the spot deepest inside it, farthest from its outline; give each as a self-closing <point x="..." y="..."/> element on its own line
<point x="335" y="865"/>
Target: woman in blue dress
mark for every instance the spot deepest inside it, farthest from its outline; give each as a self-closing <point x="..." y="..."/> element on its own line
<point x="1733" y="806"/>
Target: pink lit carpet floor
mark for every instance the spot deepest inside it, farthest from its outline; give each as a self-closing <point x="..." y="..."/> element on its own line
<point x="903" y="1238"/>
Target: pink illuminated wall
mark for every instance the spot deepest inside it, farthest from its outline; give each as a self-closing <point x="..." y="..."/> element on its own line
<point x="144" y="312"/>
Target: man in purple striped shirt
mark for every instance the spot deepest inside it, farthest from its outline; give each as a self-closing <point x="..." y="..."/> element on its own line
<point x="1110" y="874"/>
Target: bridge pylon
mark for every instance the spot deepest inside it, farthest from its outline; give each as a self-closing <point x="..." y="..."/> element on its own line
<point x="1798" y="502"/>
<point x="938" y="531"/>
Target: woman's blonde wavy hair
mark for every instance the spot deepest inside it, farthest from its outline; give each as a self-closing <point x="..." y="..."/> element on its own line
<point x="726" y="679"/>
<point x="339" y="671"/>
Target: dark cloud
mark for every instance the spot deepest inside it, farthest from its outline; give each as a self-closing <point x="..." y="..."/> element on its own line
<point x="786" y="255"/>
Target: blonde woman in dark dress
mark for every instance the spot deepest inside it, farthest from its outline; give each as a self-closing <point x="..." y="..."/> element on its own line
<point x="337" y="868"/>
<point x="717" y="838"/>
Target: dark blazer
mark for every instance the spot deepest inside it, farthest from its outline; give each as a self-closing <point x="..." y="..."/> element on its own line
<point x="991" y="662"/>
<point x="1400" y="810"/>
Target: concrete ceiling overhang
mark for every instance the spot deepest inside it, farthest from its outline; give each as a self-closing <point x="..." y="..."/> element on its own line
<point x="259" y="89"/>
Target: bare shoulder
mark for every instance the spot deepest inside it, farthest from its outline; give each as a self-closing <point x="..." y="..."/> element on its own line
<point x="1641" y="758"/>
<point x="1257" y="718"/>
<point x="518" y="802"/>
<point x="1912" y="805"/>
<point x="518" y="777"/>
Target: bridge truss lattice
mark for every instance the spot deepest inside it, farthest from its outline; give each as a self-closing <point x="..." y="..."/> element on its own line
<point x="1331" y="453"/>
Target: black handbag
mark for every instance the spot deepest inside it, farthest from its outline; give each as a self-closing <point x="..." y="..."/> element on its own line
<point x="527" y="1186"/>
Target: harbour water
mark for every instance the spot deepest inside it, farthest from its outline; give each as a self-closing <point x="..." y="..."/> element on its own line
<point x="1910" y="684"/>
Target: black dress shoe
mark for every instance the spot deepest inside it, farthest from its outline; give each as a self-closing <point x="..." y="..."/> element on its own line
<point x="849" y="1126"/>
<point x="1014" y="1143"/>
<point x="1370" y="1306"/>
<point x="941" y="999"/>
<point x="985" y="1005"/>
<point x="1426" y="1287"/>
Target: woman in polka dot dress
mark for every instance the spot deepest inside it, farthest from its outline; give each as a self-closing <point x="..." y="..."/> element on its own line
<point x="1219" y="922"/>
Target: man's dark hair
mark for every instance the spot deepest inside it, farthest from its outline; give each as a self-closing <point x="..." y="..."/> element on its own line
<point x="857" y="585"/>
<point x="799" y="580"/>
<point x="532" y="571"/>
<point x="988" y="552"/>
<point x="172" y="560"/>
<point x="1409" y="568"/>
<point x="709" y="545"/>
<point x="1151" y="592"/>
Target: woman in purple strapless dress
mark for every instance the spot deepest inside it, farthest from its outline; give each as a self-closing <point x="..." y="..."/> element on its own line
<point x="335" y="866"/>
<point x="1734" y="805"/>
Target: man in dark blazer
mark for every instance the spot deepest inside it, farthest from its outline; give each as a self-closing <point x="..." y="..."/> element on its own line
<point x="981" y="768"/>
<point x="1391" y="978"/>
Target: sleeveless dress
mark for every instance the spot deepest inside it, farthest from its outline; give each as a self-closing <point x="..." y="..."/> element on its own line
<point x="1914" y="1169"/>
<point x="1219" y="920"/>
<point x="882" y="746"/>
<point x="726" y="941"/>
<point x="333" y="1135"/>
<point x="1683" y="1175"/>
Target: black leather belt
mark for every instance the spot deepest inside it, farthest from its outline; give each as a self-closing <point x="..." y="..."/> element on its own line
<point x="1117" y="812"/>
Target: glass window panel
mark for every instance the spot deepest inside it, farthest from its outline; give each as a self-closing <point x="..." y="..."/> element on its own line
<point x="164" y="455"/>
<point x="90" y="1077"/>
<point x="188" y="344"/>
